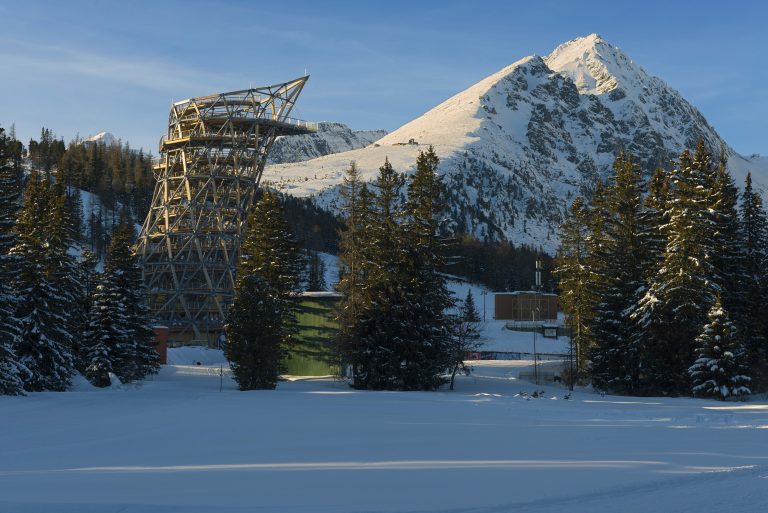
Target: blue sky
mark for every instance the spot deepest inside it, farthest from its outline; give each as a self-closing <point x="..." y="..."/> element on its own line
<point x="86" y="66"/>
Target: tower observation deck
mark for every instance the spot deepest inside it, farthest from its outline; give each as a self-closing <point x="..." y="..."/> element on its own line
<point x="211" y="161"/>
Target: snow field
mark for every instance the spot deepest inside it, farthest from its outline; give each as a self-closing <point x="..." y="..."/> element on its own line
<point x="314" y="445"/>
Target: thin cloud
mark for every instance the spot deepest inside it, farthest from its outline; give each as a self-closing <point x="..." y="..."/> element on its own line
<point x="150" y="74"/>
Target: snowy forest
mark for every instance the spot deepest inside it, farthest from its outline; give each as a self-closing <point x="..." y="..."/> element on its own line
<point x="665" y="282"/>
<point x="58" y="315"/>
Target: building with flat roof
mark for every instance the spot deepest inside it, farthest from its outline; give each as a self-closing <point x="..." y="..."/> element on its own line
<point x="526" y="306"/>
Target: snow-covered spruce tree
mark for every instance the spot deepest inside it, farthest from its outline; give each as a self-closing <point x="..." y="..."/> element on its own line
<point x="577" y="298"/>
<point x="466" y="336"/>
<point x="427" y="354"/>
<point x="12" y="373"/>
<point x="261" y="321"/>
<point x="122" y="263"/>
<point x="671" y="313"/>
<point x="623" y="257"/>
<point x="754" y="233"/>
<point x="68" y="273"/>
<point x="45" y="343"/>
<point x="107" y="346"/>
<point x="720" y="368"/>
<point x="119" y="335"/>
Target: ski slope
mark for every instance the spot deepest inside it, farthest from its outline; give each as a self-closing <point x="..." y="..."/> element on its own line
<point x="178" y="444"/>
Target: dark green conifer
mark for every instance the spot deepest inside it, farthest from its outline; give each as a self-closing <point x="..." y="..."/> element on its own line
<point x="379" y="330"/>
<point x="261" y="321"/>
<point x="315" y="271"/>
<point x="428" y="352"/>
<point x="357" y="209"/>
<point x="577" y="297"/>
<point x="754" y="234"/>
<point x="614" y="358"/>
<point x="12" y="372"/>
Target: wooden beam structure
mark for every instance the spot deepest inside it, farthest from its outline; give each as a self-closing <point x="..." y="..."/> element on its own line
<point x="211" y="161"/>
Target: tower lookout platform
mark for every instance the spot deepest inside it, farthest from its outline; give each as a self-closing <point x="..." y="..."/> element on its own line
<point x="211" y="161"/>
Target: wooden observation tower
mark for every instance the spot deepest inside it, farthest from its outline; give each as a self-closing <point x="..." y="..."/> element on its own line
<point x="211" y="161"/>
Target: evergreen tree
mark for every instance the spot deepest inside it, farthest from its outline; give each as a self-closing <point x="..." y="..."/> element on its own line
<point x="44" y="346"/>
<point x="124" y="265"/>
<point x="575" y="279"/>
<point x="378" y="330"/>
<point x="119" y="336"/>
<point x="401" y="337"/>
<point x="427" y="353"/>
<point x="623" y="258"/>
<point x="255" y="334"/>
<point x="727" y="244"/>
<point x="671" y="313"/>
<point x="652" y="223"/>
<point x="357" y="208"/>
<point x="107" y="346"/>
<point x="315" y="271"/>
<point x="12" y="372"/>
<point x="10" y="200"/>
<point x="87" y="280"/>
<point x="466" y="336"/>
<point x="754" y="234"/>
<point x="64" y="271"/>
<point x="73" y="206"/>
<point x="261" y="320"/>
<point x="719" y="370"/>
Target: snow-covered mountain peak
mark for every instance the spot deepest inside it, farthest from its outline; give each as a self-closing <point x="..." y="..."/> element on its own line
<point x="516" y="147"/>
<point x="103" y="137"/>
<point x="595" y="66"/>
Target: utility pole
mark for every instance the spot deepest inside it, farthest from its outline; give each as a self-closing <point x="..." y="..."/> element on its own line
<point x="536" y="299"/>
<point x="221" y="364"/>
<point x="484" y="293"/>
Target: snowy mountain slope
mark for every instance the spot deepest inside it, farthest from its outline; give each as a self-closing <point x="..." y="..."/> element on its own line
<point x="518" y="146"/>
<point x="330" y="138"/>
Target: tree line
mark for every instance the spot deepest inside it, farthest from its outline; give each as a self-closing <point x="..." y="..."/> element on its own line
<point x="399" y="327"/>
<point x="122" y="180"/>
<point x="119" y="175"/>
<point x="58" y="316"/>
<point x="664" y="282"/>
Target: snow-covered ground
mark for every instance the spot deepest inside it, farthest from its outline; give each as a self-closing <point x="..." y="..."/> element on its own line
<point x="493" y="334"/>
<point x="177" y="444"/>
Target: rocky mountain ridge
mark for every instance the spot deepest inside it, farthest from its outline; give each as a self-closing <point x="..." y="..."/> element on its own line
<point x="519" y="145"/>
